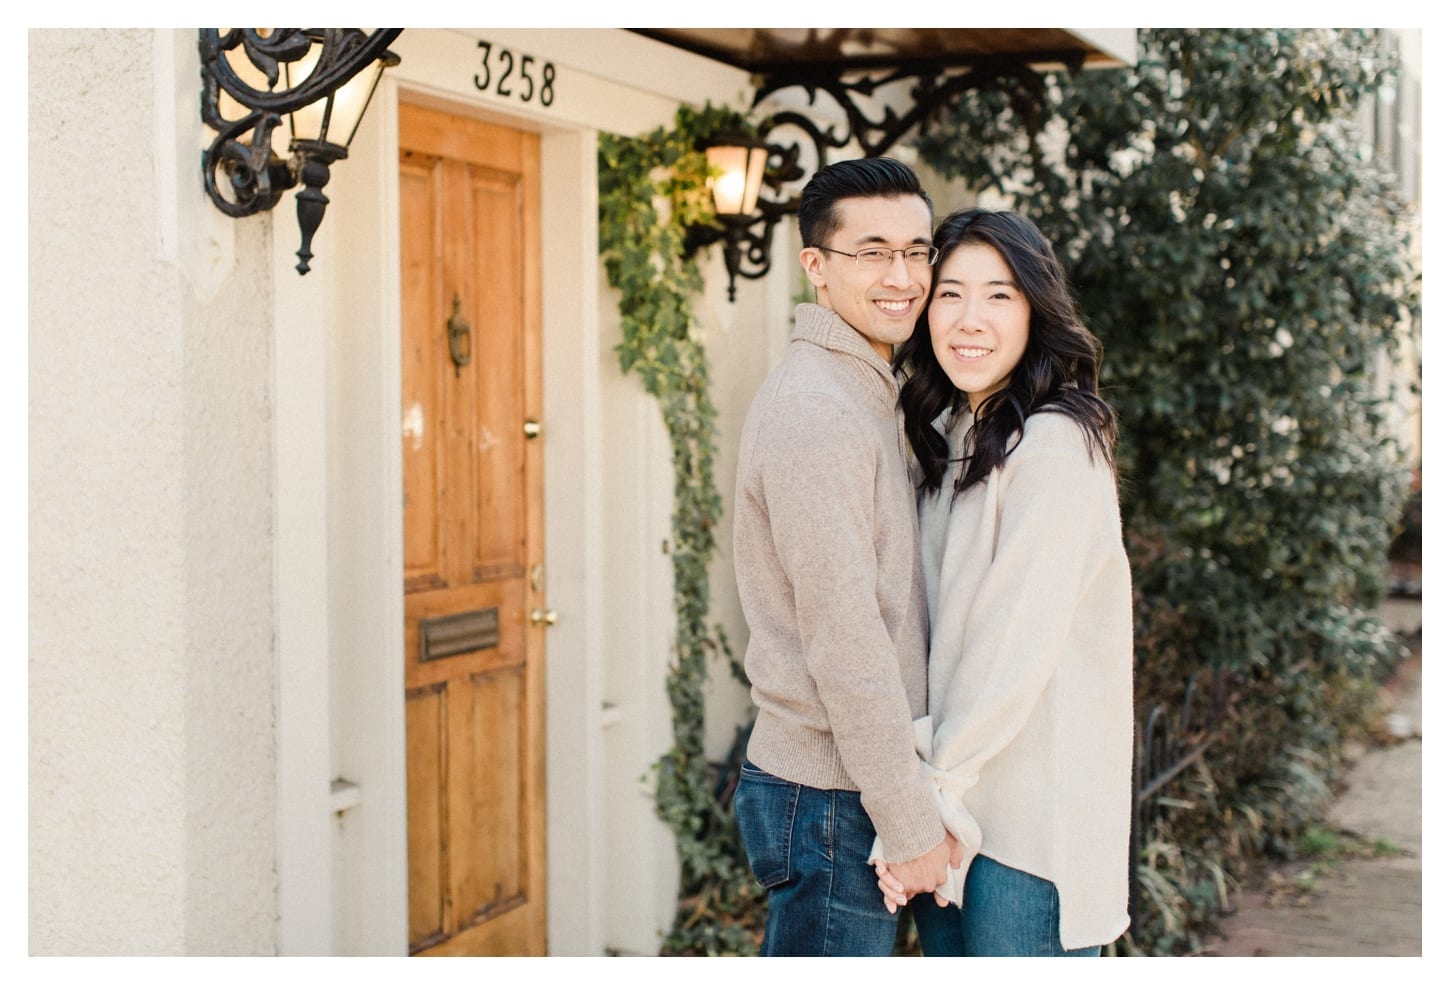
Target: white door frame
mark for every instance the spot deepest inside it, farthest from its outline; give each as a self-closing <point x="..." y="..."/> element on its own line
<point x="342" y="856"/>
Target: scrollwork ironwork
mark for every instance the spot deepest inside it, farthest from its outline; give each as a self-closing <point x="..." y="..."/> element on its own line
<point x="937" y="84"/>
<point x="747" y="240"/>
<point x="255" y="175"/>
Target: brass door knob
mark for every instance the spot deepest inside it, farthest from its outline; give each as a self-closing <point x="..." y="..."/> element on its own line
<point x="543" y="617"/>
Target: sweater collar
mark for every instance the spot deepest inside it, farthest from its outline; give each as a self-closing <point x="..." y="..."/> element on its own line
<point x="821" y="326"/>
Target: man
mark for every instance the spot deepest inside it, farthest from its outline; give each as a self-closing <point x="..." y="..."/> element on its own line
<point x="826" y="557"/>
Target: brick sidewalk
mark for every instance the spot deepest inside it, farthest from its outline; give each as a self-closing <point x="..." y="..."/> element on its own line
<point x="1357" y="906"/>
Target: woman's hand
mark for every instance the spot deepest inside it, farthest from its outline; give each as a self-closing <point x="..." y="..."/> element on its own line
<point x="892" y="892"/>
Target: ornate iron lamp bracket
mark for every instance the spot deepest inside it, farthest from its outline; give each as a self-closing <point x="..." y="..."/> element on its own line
<point x="747" y="239"/>
<point x="253" y="174"/>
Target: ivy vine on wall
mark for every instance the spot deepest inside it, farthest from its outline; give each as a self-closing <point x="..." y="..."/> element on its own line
<point x="651" y="190"/>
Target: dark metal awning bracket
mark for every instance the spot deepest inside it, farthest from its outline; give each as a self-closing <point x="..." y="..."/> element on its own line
<point x="937" y="82"/>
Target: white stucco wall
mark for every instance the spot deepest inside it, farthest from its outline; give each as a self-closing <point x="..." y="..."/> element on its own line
<point x="151" y="678"/>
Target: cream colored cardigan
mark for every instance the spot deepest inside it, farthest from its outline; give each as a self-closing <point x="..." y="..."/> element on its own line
<point x="1030" y="690"/>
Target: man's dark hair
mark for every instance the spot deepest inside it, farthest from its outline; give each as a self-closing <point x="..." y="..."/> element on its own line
<point x="868" y="177"/>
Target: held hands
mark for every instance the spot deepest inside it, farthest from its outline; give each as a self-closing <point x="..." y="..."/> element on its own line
<point x="899" y="881"/>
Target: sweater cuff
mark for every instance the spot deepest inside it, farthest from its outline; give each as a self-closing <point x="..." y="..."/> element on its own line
<point x="908" y="823"/>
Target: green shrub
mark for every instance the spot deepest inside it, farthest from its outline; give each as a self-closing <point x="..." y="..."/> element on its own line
<point x="1248" y="270"/>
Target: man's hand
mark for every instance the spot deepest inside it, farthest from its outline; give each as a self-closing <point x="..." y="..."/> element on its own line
<point x="899" y="881"/>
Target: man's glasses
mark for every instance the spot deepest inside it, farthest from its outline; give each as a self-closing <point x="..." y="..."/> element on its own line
<point x="879" y="256"/>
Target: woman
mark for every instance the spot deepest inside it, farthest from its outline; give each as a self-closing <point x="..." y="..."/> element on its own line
<point x="1030" y="674"/>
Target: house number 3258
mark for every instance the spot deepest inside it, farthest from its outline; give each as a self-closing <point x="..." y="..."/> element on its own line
<point x="518" y="77"/>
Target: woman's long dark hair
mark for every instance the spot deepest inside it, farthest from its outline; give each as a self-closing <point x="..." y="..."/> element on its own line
<point x="1058" y="371"/>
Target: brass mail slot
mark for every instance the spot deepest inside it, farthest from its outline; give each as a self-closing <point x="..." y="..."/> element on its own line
<point x="462" y="632"/>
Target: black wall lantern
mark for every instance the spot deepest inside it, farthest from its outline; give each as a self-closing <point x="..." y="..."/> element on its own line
<point x="320" y="78"/>
<point x="739" y="162"/>
<point x="747" y="220"/>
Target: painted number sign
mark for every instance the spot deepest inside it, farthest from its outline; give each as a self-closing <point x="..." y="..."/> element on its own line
<point x="511" y="76"/>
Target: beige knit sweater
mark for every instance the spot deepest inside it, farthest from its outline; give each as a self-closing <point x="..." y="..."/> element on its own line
<point x="1030" y="738"/>
<point x="826" y="557"/>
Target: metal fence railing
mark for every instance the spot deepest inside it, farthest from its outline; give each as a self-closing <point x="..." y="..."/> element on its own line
<point x="1168" y="744"/>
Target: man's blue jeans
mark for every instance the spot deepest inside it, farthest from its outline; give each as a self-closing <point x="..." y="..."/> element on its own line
<point x="809" y="849"/>
<point x="1006" y="913"/>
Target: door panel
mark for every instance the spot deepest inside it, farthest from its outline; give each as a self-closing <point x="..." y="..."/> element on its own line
<point x="426" y="813"/>
<point x="473" y="527"/>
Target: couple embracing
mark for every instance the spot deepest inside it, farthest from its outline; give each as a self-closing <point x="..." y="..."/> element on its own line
<point x="930" y="559"/>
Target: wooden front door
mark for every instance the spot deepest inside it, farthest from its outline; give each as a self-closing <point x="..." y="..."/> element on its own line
<point x="474" y="605"/>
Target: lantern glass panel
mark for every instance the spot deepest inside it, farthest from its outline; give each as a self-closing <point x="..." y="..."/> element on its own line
<point x="737" y="186"/>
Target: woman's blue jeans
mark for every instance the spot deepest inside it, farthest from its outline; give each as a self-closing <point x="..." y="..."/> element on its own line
<point x="809" y="849"/>
<point x="1006" y="913"/>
